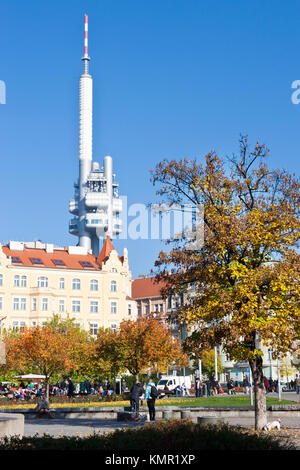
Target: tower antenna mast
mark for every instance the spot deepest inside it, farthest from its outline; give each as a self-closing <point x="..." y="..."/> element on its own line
<point x="86" y="57"/>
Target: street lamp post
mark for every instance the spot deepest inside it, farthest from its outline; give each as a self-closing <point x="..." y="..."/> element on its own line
<point x="270" y="359"/>
<point x="216" y="364"/>
<point x="278" y="378"/>
<point x="200" y="369"/>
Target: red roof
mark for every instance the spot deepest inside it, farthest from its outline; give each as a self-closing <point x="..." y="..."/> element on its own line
<point x="106" y="249"/>
<point x="147" y="287"/>
<point x="62" y="257"/>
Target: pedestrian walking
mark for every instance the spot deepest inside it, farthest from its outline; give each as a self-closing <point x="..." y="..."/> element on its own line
<point x="151" y="394"/>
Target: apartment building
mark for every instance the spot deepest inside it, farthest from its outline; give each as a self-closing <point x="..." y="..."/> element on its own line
<point x="38" y="280"/>
<point x="147" y="293"/>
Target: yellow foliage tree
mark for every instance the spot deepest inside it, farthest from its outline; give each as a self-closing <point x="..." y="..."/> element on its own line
<point x="246" y="274"/>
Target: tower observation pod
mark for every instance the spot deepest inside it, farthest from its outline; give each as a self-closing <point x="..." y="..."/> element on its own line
<point x="96" y="204"/>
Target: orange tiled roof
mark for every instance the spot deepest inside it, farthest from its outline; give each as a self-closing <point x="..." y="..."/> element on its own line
<point x="70" y="261"/>
<point x="146" y="287"/>
<point x="106" y="249"/>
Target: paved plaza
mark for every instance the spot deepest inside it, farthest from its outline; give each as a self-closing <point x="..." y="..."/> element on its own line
<point x="82" y="427"/>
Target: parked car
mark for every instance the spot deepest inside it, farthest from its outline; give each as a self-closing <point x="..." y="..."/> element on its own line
<point x="172" y="381"/>
<point x="284" y="387"/>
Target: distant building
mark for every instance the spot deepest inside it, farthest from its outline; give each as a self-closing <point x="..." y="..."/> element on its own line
<point x="38" y="280"/>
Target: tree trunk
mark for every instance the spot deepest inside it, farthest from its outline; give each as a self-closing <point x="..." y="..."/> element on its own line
<point x="259" y="392"/>
<point x="47" y="386"/>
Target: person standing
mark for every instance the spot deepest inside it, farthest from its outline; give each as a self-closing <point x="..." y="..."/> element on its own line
<point x="151" y="393"/>
<point x="136" y="392"/>
<point x="71" y="388"/>
<point x="297" y="384"/>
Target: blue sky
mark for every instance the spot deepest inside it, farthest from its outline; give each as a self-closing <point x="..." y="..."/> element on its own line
<point x="172" y="79"/>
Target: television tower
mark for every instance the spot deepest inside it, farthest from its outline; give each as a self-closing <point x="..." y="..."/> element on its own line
<point x="96" y="204"/>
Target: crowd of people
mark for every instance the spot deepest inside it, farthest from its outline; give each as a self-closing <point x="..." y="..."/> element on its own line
<point x="66" y="387"/>
<point x="105" y="388"/>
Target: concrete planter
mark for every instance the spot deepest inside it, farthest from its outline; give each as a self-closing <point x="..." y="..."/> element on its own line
<point x="11" y="425"/>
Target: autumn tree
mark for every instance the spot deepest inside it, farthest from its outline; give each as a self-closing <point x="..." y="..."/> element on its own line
<point x="107" y="358"/>
<point x="81" y="344"/>
<point x="140" y="345"/>
<point x="49" y="349"/>
<point x="208" y="362"/>
<point x="246" y="274"/>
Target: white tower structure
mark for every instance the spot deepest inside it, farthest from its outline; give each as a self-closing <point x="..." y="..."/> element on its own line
<point x="96" y="204"/>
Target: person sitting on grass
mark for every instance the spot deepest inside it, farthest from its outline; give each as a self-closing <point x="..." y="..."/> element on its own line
<point x="43" y="406"/>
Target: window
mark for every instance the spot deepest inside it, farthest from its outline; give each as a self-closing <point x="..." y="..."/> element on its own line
<point x="113" y="326"/>
<point x="16" y="302"/>
<point x="75" y="306"/>
<point x="23" y="281"/>
<point x="61" y="282"/>
<point x="76" y="284"/>
<point x="33" y="304"/>
<point x="1" y="280"/>
<point x="16" y="260"/>
<point x="61" y="306"/>
<point x="113" y="270"/>
<point x="113" y="286"/>
<point x="36" y="261"/>
<point x="34" y="324"/>
<point x="42" y="281"/>
<point x="18" y="326"/>
<point x="94" y="306"/>
<point x="58" y="262"/>
<point x="16" y="281"/>
<point x="1" y="303"/>
<point x="23" y="303"/>
<point x="113" y="307"/>
<point x="86" y="264"/>
<point x="94" y="329"/>
<point x="129" y="309"/>
<point x="147" y="308"/>
<point x="45" y="304"/>
<point x="94" y="284"/>
<point x="139" y="311"/>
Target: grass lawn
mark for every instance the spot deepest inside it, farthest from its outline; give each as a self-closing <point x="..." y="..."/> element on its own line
<point x="205" y="401"/>
<point x="219" y="401"/>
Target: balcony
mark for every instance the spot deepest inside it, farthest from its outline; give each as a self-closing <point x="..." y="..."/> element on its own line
<point x="96" y="221"/>
<point x="73" y="206"/>
<point x="73" y="226"/>
<point x="96" y="200"/>
<point x="117" y="205"/>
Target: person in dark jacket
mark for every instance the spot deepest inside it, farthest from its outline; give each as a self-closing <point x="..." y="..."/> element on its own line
<point x="71" y="389"/>
<point x="136" y="392"/>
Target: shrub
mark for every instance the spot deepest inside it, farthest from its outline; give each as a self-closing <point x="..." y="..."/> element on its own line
<point x="173" y="435"/>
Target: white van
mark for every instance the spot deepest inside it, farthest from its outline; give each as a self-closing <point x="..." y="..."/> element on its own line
<point x="172" y="381"/>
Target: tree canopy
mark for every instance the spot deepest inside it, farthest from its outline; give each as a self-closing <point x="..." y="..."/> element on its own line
<point x="246" y="274"/>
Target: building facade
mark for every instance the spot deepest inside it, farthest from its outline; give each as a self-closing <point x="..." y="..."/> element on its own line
<point x="147" y="293"/>
<point x="38" y="280"/>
